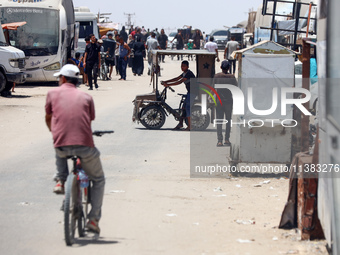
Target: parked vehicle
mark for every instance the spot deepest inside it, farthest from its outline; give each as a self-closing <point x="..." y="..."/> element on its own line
<point x="87" y="25"/>
<point x="220" y="37"/>
<point x="12" y="61"/>
<point x="238" y="33"/>
<point x="48" y="37"/>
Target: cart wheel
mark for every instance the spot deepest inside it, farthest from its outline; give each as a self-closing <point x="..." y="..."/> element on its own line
<point x="199" y="122"/>
<point x="152" y="117"/>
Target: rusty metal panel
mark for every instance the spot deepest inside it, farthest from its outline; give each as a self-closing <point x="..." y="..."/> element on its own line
<point x="307" y="217"/>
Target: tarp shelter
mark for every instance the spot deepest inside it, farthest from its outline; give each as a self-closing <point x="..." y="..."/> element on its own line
<point x="262" y="68"/>
<point x="11" y="26"/>
<point x="107" y="27"/>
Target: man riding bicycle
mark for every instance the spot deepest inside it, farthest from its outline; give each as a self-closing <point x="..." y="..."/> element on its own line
<point x="69" y="113"/>
<point x="183" y="78"/>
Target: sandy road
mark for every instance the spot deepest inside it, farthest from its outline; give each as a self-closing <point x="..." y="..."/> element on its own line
<point x="151" y="204"/>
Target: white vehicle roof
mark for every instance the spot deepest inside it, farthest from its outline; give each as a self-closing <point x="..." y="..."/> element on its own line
<point x="84" y="16"/>
<point x="83" y="13"/>
<point x="48" y="4"/>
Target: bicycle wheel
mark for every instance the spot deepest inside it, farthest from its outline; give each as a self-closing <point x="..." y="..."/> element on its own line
<point x="152" y="117"/>
<point x="83" y="212"/>
<point x="199" y="122"/>
<point x="70" y="209"/>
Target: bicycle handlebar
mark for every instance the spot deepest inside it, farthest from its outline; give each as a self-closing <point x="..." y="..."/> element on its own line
<point x="100" y="133"/>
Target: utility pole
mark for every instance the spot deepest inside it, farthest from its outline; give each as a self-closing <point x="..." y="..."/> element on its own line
<point x="129" y="23"/>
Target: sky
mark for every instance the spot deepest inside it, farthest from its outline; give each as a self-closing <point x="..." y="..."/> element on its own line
<point x="170" y="15"/>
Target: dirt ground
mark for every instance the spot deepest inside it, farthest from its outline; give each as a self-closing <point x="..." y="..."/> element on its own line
<point x="151" y="204"/>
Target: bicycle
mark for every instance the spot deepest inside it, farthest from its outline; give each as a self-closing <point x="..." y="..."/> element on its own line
<point x="104" y="69"/>
<point x="77" y="200"/>
<point x="153" y="113"/>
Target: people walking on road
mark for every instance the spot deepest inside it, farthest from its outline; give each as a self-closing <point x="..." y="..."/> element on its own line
<point x="110" y="58"/>
<point x="163" y="43"/>
<point x="180" y="42"/>
<point x="151" y="44"/>
<point x="124" y="53"/>
<point x="87" y="42"/>
<point x="224" y="110"/>
<point x="211" y="46"/>
<point x="69" y="113"/>
<point x="197" y="39"/>
<point x="123" y="34"/>
<point x="79" y="62"/>
<point x="117" y="53"/>
<point x="92" y="61"/>
<point x="229" y="49"/>
<point x="138" y="59"/>
<point x="183" y="78"/>
<point x="190" y="46"/>
<point x="130" y="43"/>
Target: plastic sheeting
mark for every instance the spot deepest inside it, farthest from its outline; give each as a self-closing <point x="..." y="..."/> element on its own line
<point x="262" y="74"/>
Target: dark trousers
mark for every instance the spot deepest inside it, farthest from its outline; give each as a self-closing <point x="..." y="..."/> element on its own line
<point x="223" y="112"/>
<point x="91" y="67"/>
<point x="122" y="67"/>
<point x="117" y="64"/>
<point x="232" y="63"/>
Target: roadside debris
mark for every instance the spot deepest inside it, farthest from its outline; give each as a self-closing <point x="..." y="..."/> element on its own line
<point x="246" y="222"/>
<point x="25" y="203"/>
<point x="218" y="189"/>
<point x="261" y="183"/>
<point x="171" y="215"/>
<point x="245" y="241"/>
<point x="117" y="191"/>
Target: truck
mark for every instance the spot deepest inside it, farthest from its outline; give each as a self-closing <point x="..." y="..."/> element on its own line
<point x="87" y="25"/>
<point x="238" y="33"/>
<point x="12" y="60"/>
<point x="48" y="37"/>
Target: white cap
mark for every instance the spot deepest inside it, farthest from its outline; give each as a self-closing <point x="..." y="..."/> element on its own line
<point x="68" y="70"/>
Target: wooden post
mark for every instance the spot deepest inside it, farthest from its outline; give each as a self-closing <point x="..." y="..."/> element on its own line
<point x="305" y="85"/>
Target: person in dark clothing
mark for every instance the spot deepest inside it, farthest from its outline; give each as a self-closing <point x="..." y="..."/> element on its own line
<point x="131" y="29"/>
<point x="180" y="42"/>
<point x="91" y="60"/>
<point x="138" y="59"/>
<point x="124" y="53"/>
<point x="163" y="42"/>
<point x="197" y="39"/>
<point x="183" y="78"/>
<point x="130" y="43"/>
<point x="123" y="34"/>
<point x="224" y="111"/>
<point x="110" y="58"/>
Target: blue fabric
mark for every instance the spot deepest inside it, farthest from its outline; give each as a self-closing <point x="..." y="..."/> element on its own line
<point x="122" y="51"/>
<point x="313" y="71"/>
<point x="122" y="67"/>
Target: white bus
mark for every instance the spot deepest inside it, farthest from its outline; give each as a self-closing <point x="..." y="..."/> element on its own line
<point x="87" y="25"/>
<point x="47" y="38"/>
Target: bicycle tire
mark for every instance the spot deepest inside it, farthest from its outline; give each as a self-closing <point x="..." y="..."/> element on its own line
<point x="83" y="212"/>
<point x="81" y="224"/>
<point x="70" y="221"/>
<point x="153" y="117"/>
<point x="199" y="122"/>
